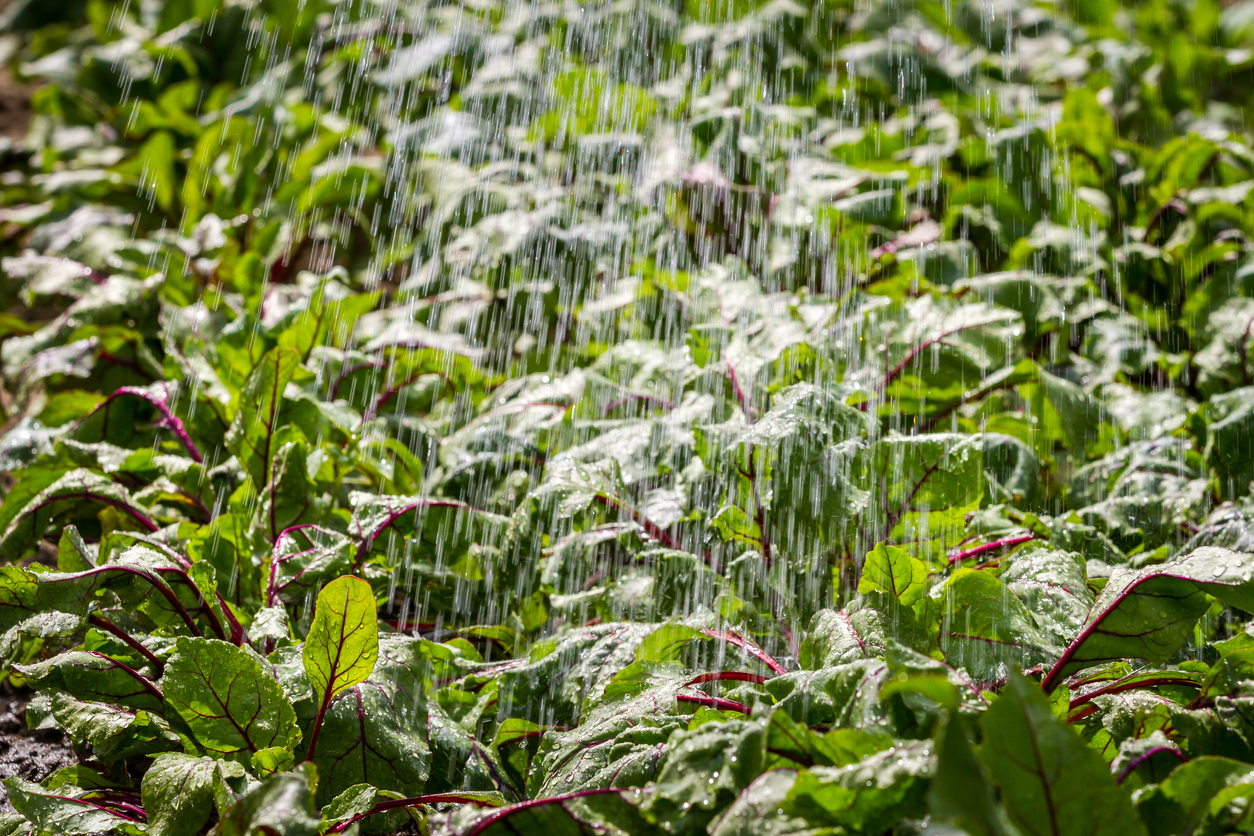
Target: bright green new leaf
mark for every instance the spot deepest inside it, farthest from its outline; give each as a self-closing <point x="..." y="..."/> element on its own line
<point x="343" y="641"/>
<point x="893" y="570"/>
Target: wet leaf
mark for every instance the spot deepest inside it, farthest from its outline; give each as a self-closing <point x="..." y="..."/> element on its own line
<point x="231" y="705"/>
<point x="179" y="790"/>
<point x="1050" y="781"/>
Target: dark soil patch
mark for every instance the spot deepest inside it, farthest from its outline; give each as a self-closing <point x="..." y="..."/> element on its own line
<point x="15" y="109"/>
<point x="32" y="755"/>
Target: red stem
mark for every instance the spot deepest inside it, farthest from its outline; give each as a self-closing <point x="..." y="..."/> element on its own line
<point x="1136" y="762"/>
<point x="134" y="513"/>
<point x="1055" y="673"/>
<point x="108" y="810"/>
<point x="919" y="349"/>
<point x="1121" y="685"/>
<point x="651" y="528"/>
<point x="201" y="603"/>
<point x="714" y="702"/>
<point x="317" y="725"/>
<point x="339" y="381"/>
<point x="157" y="584"/>
<point x="274" y="560"/>
<point x="237" y="630"/>
<point x="724" y="676"/>
<point x="741" y="398"/>
<point x="108" y="626"/>
<point x="741" y="641"/>
<point x="492" y="819"/>
<point x="1008" y="542"/>
<point x="1084" y="712"/>
<point x="417" y="801"/>
<point x="168" y="419"/>
<point x="145" y="683"/>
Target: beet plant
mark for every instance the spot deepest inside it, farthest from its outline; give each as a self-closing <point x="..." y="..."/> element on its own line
<point x="502" y="418"/>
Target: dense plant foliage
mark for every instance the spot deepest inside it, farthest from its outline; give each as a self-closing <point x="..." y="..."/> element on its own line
<point x="502" y="417"/>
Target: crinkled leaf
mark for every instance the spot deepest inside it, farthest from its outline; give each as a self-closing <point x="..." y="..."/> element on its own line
<point x="862" y="798"/>
<point x="281" y="805"/>
<point x="67" y="812"/>
<point x="113" y="733"/>
<point x="95" y="677"/>
<point x="231" y="705"/>
<point x="178" y="792"/>
<point x="1149" y="614"/>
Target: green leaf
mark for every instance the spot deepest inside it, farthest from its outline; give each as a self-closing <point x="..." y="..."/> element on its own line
<point x="1051" y="783"/>
<point x="985" y="626"/>
<point x="73" y="554"/>
<point x="95" y="677"/>
<point x="113" y="733"/>
<point x="156" y="157"/>
<point x="375" y="735"/>
<point x="892" y="570"/>
<point x="791" y="744"/>
<point x="232" y="706"/>
<point x="1182" y="800"/>
<point x="281" y="805"/>
<point x="178" y="792"/>
<point x="66" y="813"/>
<point x="343" y="641"/>
<point x="861" y="798"/>
<point x="12" y="824"/>
<point x="267" y="762"/>
<point x="76" y="495"/>
<point x="667" y="643"/>
<point x="961" y="792"/>
<point x="1053" y="586"/>
<point x="305" y="560"/>
<point x="320" y="317"/>
<point x="1149" y="614"/>
<point x="612" y="811"/>
<point x="610" y="748"/>
<point x="227" y="544"/>
<point x="706" y="768"/>
<point x="287" y="499"/>
<point x="251" y="435"/>
<point x="1229" y="435"/>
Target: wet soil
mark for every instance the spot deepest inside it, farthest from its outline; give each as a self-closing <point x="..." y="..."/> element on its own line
<point x="32" y="755"/>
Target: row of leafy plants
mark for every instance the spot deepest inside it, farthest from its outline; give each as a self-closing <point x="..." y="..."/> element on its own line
<point x="748" y="417"/>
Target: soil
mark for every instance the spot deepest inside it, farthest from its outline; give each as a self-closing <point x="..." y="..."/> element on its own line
<point x="14" y="106"/>
<point x="15" y="109"/>
<point x="32" y="755"/>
